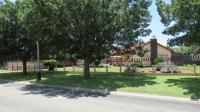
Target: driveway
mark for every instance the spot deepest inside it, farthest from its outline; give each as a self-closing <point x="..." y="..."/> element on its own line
<point x="20" y="97"/>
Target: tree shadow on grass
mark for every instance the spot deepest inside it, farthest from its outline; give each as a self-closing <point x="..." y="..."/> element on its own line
<point x="99" y="82"/>
<point x="192" y="85"/>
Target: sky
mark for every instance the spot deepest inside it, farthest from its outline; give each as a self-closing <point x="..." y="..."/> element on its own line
<point x="156" y="26"/>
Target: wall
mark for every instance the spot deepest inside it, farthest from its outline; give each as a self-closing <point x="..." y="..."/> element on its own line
<point x="163" y="51"/>
<point x="148" y="46"/>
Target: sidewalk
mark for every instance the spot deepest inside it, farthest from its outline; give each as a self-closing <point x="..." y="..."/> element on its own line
<point x="125" y="94"/>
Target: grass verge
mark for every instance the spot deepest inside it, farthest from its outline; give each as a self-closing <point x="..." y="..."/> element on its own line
<point x="178" y="86"/>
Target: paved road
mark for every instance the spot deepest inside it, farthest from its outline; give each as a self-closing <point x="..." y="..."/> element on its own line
<point x="32" y="98"/>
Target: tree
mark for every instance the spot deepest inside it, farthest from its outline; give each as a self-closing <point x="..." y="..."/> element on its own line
<point x="182" y="19"/>
<point x="183" y="49"/>
<point x="16" y="43"/>
<point x="158" y="60"/>
<point x="51" y="64"/>
<point x="129" y="50"/>
<point x="195" y="49"/>
<point x="142" y="51"/>
<point x="89" y="28"/>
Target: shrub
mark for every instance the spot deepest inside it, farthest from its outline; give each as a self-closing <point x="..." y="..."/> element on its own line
<point x="158" y="60"/>
<point x="133" y="67"/>
<point x="138" y="64"/>
<point x="51" y="64"/>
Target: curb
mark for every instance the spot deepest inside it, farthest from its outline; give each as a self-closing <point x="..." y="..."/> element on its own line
<point x="157" y="97"/>
<point x="114" y="93"/>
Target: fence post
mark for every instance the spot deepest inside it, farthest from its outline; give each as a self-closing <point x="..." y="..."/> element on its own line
<point x="94" y="70"/>
<point x="153" y="68"/>
<point x="56" y="68"/>
<point x="194" y="69"/>
<point x="12" y="67"/>
<point x="73" y="69"/>
<point x="106" y="69"/>
<point x="120" y="69"/>
<point x="17" y="66"/>
<point x="64" y="68"/>
<point x="34" y="68"/>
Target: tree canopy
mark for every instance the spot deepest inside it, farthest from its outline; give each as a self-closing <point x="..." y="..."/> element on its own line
<point x="16" y="43"/>
<point x="87" y="29"/>
<point x="182" y="19"/>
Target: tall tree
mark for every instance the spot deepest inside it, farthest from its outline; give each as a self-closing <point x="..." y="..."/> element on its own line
<point x="89" y="28"/>
<point x="16" y="43"/>
<point x="183" y="49"/>
<point x="182" y="19"/>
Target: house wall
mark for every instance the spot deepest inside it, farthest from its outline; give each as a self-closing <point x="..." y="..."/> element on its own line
<point x="163" y="52"/>
<point x="148" y="46"/>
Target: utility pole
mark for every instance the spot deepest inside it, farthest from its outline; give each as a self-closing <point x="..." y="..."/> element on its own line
<point x="38" y="62"/>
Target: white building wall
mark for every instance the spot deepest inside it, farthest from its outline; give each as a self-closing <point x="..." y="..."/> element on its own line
<point x="163" y="52"/>
<point x="148" y="47"/>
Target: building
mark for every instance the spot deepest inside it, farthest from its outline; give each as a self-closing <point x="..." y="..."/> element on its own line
<point x="154" y="50"/>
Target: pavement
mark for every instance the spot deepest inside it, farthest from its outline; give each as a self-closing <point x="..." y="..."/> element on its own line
<point x="27" y="97"/>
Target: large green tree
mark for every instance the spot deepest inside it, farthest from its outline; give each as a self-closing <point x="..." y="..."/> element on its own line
<point x="182" y="19"/>
<point x="89" y="28"/>
<point x="16" y="43"/>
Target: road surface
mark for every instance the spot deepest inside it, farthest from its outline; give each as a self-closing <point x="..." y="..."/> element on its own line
<point x="33" y="98"/>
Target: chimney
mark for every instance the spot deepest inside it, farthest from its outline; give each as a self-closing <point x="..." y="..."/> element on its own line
<point x="154" y="50"/>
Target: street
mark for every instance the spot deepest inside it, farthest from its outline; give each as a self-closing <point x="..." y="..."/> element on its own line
<point x="33" y="98"/>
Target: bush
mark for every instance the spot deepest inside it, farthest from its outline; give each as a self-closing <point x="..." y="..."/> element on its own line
<point x="51" y="64"/>
<point x="138" y="64"/>
<point x="133" y="67"/>
<point x="158" y="60"/>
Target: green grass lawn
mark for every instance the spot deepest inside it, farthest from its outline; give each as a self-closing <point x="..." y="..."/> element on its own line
<point x="98" y="69"/>
<point x="190" y="68"/>
<point x="179" y="86"/>
<point x="112" y="69"/>
<point x="116" y="69"/>
<point x="5" y="71"/>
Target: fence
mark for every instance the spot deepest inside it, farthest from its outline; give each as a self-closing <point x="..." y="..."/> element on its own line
<point x="104" y="69"/>
<point x="186" y="69"/>
<point x="17" y="66"/>
<point x="186" y="64"/>
<point x="178" y="60"/>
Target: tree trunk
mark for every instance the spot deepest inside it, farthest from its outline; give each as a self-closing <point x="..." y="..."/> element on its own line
<point x="51" y="67"/>
<point x="24" y="66"/>
<point x="87" y="68"/>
